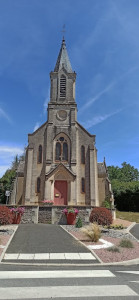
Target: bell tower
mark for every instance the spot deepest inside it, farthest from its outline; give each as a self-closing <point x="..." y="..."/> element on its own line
<point x="62" y="106"/>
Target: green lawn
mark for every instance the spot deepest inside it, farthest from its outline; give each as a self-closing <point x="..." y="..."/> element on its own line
<point x="130" y="216"/>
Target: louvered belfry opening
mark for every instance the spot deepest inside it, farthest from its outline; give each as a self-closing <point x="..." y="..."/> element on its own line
<point x="62" y="86"/>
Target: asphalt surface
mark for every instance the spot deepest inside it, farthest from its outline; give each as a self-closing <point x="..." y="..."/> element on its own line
<point x="125" y="278"/>
<point x="44" y="238"/>
<point x="135" y="231"/>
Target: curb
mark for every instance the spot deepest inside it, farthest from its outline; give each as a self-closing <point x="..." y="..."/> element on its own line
<point x="5" y="248"/>
<point x="123" y="263"/>
<point x="129" y="228"/>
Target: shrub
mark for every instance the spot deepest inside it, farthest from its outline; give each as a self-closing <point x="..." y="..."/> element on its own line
<point x="113" y="249"/>
<point x="6" y="216"/>
<point x="93" y="231"/>
<point x="101" y="216"/>
<point x="125" y="243"/>
<point x="79" y="223"/>
<point x="106" y="203"/>
<point x="115" y="227"/>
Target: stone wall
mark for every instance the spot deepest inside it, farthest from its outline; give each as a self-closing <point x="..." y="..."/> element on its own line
<point x="45" y="214"/>
<point x="54" y="215"/>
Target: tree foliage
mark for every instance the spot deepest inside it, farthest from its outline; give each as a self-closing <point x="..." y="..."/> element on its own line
<point x="126" y="173"/>
<point x="6" y="180"/>
<point x="125" y="186"/>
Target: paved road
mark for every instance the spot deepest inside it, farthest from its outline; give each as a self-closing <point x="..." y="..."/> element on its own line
<point x="46" y="243"/>
<point x="69" y="283"/>
<point x="135" y="231"/>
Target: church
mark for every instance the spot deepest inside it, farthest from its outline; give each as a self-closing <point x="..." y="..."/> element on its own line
<point x="61" y="156"/>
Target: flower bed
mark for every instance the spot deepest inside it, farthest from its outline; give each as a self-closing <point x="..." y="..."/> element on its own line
<point x="106" y="256"/>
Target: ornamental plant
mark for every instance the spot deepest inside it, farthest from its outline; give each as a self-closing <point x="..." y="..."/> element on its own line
<point x="48" y="202"/>
<point x="92" y="231"/>
<point x="69" y="210"/>
<point x="18" y="210"/>
<point x="101" y="216"/>
<point x="6" y="216"/>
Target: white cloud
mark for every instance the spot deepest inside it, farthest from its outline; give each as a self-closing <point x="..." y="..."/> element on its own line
<point x="46" y="101"/>
<point x="99" y="119"/>
<point x="7" y="154"/>
<point x="5" y="115"/>
<point x="91" y="101"/>
<point x="36" y="126"/>
<point x="10" y="150"/>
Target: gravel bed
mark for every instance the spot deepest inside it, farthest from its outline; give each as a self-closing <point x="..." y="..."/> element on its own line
<point x="105" y="232"/>
<point x="118" y="234"/>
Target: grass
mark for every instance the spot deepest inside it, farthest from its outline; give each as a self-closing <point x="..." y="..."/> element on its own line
<point x="125" y="243"/>
<point x="127" y="215"/>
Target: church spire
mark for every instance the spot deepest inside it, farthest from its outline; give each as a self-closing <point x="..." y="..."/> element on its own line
<point x="63" y="59"/>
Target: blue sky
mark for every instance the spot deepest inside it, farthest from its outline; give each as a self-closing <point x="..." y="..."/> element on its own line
<point x="103" y="46"/>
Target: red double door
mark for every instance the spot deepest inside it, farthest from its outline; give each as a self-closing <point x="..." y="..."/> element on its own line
<point x="60" y="192"/>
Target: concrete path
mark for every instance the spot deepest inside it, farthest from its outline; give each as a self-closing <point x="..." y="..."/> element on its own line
<point x="135" y="231"/>
<point x="46" y="243"/>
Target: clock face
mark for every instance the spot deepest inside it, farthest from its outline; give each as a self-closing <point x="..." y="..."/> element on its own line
<point x="62" y="115"/>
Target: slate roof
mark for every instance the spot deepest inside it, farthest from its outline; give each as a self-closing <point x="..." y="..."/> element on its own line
<point x="102" y="171"/>
<point x="63" y="59"/>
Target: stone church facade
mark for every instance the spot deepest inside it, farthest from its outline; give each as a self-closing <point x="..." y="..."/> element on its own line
<point x="61" y="157"/>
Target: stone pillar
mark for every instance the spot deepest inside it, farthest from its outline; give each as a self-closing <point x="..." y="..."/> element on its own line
<point x="93" y="177"/>
<point x="73" y="192"/>
<point x="96" y="178"/>
<point x="29" y="175"/>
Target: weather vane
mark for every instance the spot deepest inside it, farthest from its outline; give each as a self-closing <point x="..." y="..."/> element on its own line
<point x="63" y="30"/>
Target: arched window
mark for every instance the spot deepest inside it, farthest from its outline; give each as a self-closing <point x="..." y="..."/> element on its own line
<point x="58" y="151"/>
<point x="61" y="150"/>
<point x="65" y="151"/>
<point x="83" y="185"/>
<point x="38" y="184"/>
<point x="62" y="86"/>
<point x="82" y="154"/>
<point x="40" y="154"/>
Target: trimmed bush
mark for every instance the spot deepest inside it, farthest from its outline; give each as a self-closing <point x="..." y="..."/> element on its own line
<point x="101" y="216"/>
<point x="93" y="231"/>
<point x="6" y="216"/>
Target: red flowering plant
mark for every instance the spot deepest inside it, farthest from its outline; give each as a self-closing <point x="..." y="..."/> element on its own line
<point x="48" y="202"/>
<point x="70" y="210"/>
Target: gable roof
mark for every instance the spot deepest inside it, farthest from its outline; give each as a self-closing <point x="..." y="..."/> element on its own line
<point x="60" y="166"/>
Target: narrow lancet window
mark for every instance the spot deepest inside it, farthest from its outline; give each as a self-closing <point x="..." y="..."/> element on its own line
<point x="82" y="154"/>
<point x="58" y="151"/>
<point x="65" y="151"/>
<point x="62" y="86"/>
<point x="38" y="184"/>
<point x="83" y="185"/>
<point x="40" y="154"/>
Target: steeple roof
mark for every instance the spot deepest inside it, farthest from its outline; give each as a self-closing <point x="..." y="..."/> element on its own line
<point x="63" y="59"/>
